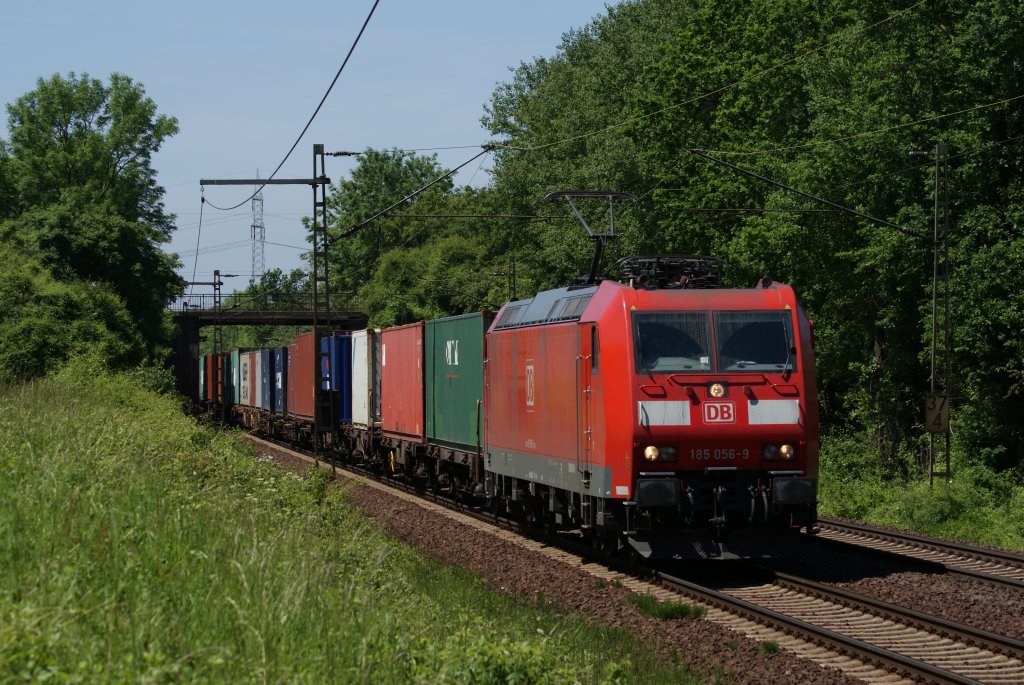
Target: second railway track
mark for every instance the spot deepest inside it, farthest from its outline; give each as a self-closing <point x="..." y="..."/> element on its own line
<point x="923" y="646"/>
<point x="991" y="565"/>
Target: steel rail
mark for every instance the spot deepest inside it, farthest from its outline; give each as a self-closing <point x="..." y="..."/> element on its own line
<point x="916" y="539"/>
<point x="958" y="552"/>
<point x="985" y="639"/>
<point x="843" y="643"/>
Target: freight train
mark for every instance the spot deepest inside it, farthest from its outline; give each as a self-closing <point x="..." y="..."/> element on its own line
<point x="657" y="413"/>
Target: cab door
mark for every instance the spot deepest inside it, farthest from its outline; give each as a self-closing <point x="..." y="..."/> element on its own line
<point x="585" y="404"/>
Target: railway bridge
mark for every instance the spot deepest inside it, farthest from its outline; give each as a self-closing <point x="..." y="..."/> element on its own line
<point x="192" y="313"/>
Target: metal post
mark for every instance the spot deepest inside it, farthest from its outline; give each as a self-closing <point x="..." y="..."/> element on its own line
<point x="937" y="409"/>
<point x="323" y="394"/>
<point x="218" y="342"/>
<point x="259" y="239"/>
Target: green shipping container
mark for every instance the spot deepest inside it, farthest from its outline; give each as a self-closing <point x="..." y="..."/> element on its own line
<point x="454" y="354"/>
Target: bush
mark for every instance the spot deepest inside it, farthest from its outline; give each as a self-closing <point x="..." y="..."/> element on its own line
<point x="979" y="505"/>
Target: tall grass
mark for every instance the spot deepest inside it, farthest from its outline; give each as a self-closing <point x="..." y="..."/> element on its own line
<point x="978" y="506"/>
<point x="136" y="546"/>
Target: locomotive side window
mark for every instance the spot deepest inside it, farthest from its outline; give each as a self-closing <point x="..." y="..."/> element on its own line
<point x="754" y="341"/>
<point x="672" y="341"/>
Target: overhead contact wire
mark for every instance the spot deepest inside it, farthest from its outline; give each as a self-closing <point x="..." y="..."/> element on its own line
<point x="361" y="224"/>
<point x="315" y="112"/>
<point x="865" y="134"/>
<point x="199" y="234"/>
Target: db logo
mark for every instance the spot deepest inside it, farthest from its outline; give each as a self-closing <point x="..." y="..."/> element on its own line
<point x="719" y="412"/>
<point x="531" y="392"/>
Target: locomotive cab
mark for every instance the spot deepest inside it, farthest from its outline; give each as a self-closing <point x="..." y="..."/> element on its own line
<point x="725" y="432"/>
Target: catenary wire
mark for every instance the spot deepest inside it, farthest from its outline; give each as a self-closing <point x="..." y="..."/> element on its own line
<point x="478" y="168"/>
<point x="361" y="224"/>
<point x="315" y="112"/>
<point x="865" y="134"/>
<point x="199" y="234"/>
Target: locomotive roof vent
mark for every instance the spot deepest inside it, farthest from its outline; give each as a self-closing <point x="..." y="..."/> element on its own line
<point x="550" y="306"/>
<point x="669" y="272"/>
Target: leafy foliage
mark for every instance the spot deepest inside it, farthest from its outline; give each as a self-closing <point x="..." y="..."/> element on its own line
<point x="79" y="195"/>
<point x="74" y="134"/>
<point x="407" y="266"/>
<point x="275" y="290"/>
<point x="45" y="321"/>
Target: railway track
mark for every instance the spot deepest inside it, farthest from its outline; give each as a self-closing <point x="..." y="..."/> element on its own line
<point x="872" y="640"/>
<point x="994" y="566"/>
<point x="906" y="641"/>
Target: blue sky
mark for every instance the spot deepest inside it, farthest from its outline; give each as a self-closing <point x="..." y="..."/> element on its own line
<point x="243" y="78"/>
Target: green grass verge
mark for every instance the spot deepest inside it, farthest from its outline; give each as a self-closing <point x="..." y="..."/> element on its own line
<point x="649" y="606"/>
<point x="978" y="506"/>
<point x="138" y="547"/>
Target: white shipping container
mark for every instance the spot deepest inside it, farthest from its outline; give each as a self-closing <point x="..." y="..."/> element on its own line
<point x="258" y="370"/>
<point x="244" y="371"/>
<point x="366" y="378"/>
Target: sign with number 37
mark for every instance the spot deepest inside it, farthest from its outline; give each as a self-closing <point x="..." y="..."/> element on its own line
<point x="936" y="413"/>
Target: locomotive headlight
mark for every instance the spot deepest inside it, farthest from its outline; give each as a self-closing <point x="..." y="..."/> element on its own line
<point x="770" y="451"/>
<point x="654" y="453"/>
<point x="787" y="452"/>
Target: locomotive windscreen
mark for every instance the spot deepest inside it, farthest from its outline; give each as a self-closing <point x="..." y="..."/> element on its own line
<point x="672" y="341"/>
<point x="754" y="341"/>
<point x="680" y="342"/>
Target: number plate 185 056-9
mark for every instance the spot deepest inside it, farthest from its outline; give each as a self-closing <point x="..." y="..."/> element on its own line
<point x="719" y="453"/>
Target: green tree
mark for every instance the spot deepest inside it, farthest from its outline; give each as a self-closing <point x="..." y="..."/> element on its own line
<point x="381" y="178"/>
<point x="275" y="290"/>
<point x="77" y="135"/>
<point x="8" y="193"/>
<point x="85" y="193"/>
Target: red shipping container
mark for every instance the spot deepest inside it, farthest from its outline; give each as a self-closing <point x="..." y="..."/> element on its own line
<point x="210" y="374"/>
<point x="253" y="399"/>
<point x="401" y="382"/>
<point x="300" y="377"/>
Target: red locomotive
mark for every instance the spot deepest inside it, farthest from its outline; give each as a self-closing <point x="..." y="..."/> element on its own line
<point x="672" y="417"/>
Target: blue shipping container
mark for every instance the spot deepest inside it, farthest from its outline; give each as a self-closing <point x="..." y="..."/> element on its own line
<point x="341" y="375"/>
<point x="280" y="379"/>
<point x="267" y="379"/>
<point x="337" y="367"/>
